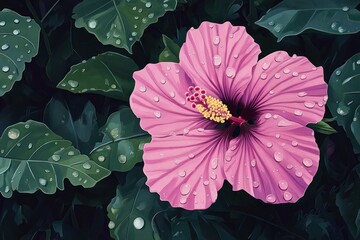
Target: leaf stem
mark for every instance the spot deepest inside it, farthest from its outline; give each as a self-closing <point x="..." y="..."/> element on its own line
<point x="38" y="21"/>
<point x="48" y="12"/>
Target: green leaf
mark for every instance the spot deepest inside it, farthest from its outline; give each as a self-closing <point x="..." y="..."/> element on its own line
<point x="170" y="52"/>
<point x="123" y="142"/>
<point x="290" y="18"/>
<point x="108" y="74"/>
<point x="74" y="119"/>
<point x="119" y="23"/>
<point x="322" y="127"/>
<point x="19" y="43"/>
<point x="344" y="98"/>
<point x="348" y="202"/>
<point x="32" y="157"/>
<point x="132" y="210"/>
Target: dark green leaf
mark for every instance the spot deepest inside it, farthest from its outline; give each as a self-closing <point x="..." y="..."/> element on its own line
<point x="344" y="97"/>
<point x="348" y="202"/>
<point x="32" y="157"/>
<point x="82" y="130"/>
<point x="290" y="18"/>
<point x="123" y="142"/>
<point x="132" y="210"/>
<point x="119" y="23"/>
<point x="170" y="52"/>
<point x="108" y="74"/>
<point x="322" y="127"/>
<point x="19" y="43"/>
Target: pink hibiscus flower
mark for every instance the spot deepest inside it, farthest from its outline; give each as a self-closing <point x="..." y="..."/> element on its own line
<point x="220" y="114"/>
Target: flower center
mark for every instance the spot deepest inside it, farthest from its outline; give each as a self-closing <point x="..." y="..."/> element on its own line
<point x="210" y="107"/>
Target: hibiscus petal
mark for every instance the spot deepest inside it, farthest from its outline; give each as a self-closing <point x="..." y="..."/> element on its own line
<point x="275" y="161"/>
<point x="186" y="170"/>
<point x="289" y="86"/>
<point x="159" y="101"/>
<point x="220" y="58"/>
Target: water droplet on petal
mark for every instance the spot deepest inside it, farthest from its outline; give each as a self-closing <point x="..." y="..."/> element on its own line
<point x="191" y="156"/>
<point x="157" y="114"/>
<point x="263" y="76"/>
<point x="283" y="185"/>
<point x="162" y="81"/>
<point x="213" y="175"/>
<point x="156" y="99"/>
<point x="42" y="181"/>
<point x="214" y="163"/>
<point x="289" y="166"/>
<point x="216" y="40"/>
<point x="271" y="198"/>
<point x="269" y="144"/>
<point x="295" y="74"/>
<point x="142" y="89"/>
<point x="185" y="189"/>
<point x="92" y="23"/>
<point x="13" y="133"/>
<point x="287" y="196"/>
<point x="217" y="60"/>
<point x="309" y="104"/>
<point x="183" y="200"/>
<point x="86" y="165"/>
<point x="277" y="135"/>
<point x="278" y="58"/>
<point x="267" y="115"/>
<point x="253" y="163"/>
<point x="298" y="173"/>
<point x="278" y="156"/>
<point x="286" y="70"/>
<point x="206" y="182"/>
<point x="182" y="173"/>
<point x="186" y="131"/>
<point x="284" y="123"/>
<point x="265" y="66"/>
<point x="230" y="72"/>
<point x="298" y="112"/>
<point x="138" y="223"/>
<point x="302" y="77"/>
<point x="294" y="143"/>
<point x="302" y="94"/>
<point x="256" y="184"/>
<point x="271" y="92"/>
<point x="307" y="162"/>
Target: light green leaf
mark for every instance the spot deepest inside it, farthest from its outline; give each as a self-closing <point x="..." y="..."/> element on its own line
<point x="120" y="23"/>
<point x="170" y="52"/>
<point x="290" y="18"/>
<point x="132" y="210"/>
<point x="123" y="142"/>
<point x="108" y="74"/>
<point x="322" y="127"/>
<point x="32" y="157"/>
<point x="19" y="43"/>
<point x="344" y="98"/>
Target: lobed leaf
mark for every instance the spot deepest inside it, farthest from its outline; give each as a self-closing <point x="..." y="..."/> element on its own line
<point x="290" y="18"/>
<point x="19" y="43"/>
<point x="120" y="23"/>
<point x="344" y="98"/>
<point x="32" y="157"/>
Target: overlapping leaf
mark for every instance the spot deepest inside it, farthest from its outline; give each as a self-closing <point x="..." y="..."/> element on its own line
<point x="19" y="43"/>
<point x="108" y="74"/>
<point x="170" y="52"/>
<point x="132" y="210"/>
<point x="344" y="98"/>
<point x="123" y="142"/>
<point x="290" y="18"/>
<point x="32" y="157"/>
<point x="120" y="23"/>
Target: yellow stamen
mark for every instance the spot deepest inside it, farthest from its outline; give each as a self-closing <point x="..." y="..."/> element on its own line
<point x="214" y="109"/>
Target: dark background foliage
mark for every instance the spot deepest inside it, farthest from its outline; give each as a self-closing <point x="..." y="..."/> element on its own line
<point x="329" y="209"/>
